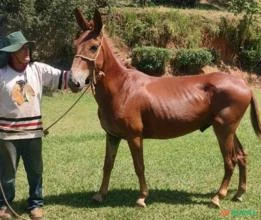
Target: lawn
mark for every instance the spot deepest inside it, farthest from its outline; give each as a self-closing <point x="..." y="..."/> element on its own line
<point x="182" y="173"/>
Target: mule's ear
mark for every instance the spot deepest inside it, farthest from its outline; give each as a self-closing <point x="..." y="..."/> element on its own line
<point x="80" y="19"/>
<point x="97" y="22"/>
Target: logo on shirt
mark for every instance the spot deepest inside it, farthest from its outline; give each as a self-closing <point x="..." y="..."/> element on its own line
<point x="22" y="92"/>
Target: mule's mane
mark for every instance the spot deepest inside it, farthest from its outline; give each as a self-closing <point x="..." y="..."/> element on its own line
<point x="116" y="49"/>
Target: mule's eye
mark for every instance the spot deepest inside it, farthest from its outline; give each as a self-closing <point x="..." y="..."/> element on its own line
<point x="94" y="48"/>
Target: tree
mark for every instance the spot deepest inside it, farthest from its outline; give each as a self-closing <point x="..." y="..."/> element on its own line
<point x="250" y="11"/>
<point x="248" y="32"/>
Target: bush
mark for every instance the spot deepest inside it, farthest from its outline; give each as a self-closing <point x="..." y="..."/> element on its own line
<point x="180" y="3"/>
<point x="191" y="60"/>
<point x="250" y="60"/>
<point x="150" y="60"/>
<point x="249" y="11"/>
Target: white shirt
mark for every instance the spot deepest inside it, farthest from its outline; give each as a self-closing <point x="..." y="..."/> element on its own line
<point x="20" y="99"/>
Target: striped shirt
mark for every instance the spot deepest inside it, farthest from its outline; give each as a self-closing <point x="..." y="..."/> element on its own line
<point x="20" y="99"/>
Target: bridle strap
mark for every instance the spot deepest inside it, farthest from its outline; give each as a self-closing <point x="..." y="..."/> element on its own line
<point x="86" y="58"/>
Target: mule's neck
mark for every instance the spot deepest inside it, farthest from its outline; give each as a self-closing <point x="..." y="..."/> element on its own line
<point x="111" y="78"/>
<point x="109" y="63"/>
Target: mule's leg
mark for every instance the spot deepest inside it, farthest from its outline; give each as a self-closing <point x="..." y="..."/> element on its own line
<point x="112" y="144"/>
<point x="136" y="148"/>
<point x="241" y="159"/>
<point x="226" y="142"/>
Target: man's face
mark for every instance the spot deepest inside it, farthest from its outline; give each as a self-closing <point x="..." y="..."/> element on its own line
<point x="22" y="56"/>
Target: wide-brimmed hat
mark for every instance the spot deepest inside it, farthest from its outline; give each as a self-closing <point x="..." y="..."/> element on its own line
<point x="14" y="42"/>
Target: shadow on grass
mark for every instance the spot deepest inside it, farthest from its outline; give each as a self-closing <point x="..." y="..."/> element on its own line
<point x="123" y="198"/>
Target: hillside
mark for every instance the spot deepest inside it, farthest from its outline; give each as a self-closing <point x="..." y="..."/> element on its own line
<point x="128" y="28"/>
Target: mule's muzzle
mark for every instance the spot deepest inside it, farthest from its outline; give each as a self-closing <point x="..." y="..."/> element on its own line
<point x="74" y="86"/>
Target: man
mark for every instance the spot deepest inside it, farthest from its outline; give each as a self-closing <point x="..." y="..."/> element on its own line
<point x="21" y="84"/>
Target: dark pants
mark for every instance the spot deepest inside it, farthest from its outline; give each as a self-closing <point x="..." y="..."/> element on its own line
<point x="31" y="152"/>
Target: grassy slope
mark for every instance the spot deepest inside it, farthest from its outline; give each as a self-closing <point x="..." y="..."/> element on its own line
<point x="182" y="173"/>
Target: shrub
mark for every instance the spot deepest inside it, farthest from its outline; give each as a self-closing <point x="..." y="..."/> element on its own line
<point x="191" y="60"/>
<point x="150" y="60"/>
<point x="180" y="3"/>
<point x="249" y="55"/>
<point x="250" y="60"/>
<point x="249" y="11"/>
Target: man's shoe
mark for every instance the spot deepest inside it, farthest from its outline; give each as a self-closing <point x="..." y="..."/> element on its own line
<point x="5" y="213"/>
<point x="36" y="213"/>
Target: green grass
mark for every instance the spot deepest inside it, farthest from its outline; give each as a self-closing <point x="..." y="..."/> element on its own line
<point x="182" y="173"/>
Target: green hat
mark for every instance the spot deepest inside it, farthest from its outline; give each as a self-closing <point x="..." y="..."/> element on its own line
<point x="14" y="42"/>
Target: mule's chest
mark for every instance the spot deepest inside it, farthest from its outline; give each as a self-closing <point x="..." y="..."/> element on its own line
<point x="112" y="122"/>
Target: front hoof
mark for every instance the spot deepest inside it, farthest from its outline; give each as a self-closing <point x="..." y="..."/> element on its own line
<point x="237" y="198"/>
<point x="97" y="198"/>
<point x="215" y="202"/>
<point x="141" y="203"/>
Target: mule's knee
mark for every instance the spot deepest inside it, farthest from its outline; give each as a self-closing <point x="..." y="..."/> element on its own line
<point x="230" y="166"/>
<point x="242" y="160"/>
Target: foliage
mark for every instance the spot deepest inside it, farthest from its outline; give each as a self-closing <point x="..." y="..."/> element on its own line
<point x="250" y="8"/>
<point x="153" y="60"/>
<point x="50" y="23"/>
<point x="180" y="3"/>
<point x="191" y="60"/>
<point x="150" y="60"/>
<point x="250" y="11"/>
<point x="151" y="27"/>
<point x="250" y="56"/>
<point x="247" y="32"/>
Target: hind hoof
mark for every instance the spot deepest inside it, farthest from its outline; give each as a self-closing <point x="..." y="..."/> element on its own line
<point x="141" y="203"/>
<point x="237" y="198"/>
<point x="215" y="202"/>
<point x="97" y="198"/>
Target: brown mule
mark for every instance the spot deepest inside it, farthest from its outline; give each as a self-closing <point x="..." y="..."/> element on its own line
<point x="134" y="106"/>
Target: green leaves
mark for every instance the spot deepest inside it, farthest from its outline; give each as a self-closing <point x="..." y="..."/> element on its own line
<point x="248" y="7"/>
<point x="151" y="60"/>
<point x="191" y="60"/>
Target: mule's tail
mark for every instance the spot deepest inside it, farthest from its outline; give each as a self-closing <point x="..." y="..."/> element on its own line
<point x="255" y="117"/>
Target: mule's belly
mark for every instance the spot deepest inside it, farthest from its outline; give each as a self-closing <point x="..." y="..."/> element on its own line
<point x="154" y="129"/>
<point x="158" y="126"/>
<point x="171" y="129"/>
<point x="176" y="117"/>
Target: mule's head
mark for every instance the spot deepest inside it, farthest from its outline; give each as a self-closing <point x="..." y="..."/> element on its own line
<point x="87" y="45"/>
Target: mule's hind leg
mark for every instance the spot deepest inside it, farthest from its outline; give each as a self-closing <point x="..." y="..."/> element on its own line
<point x="112" y="144"/>
<point x="136" y="148"/>
<point x="226" y="142"/>
<point x="241" y="159"/>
